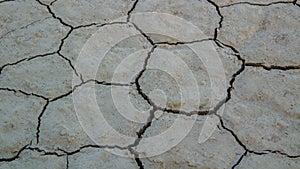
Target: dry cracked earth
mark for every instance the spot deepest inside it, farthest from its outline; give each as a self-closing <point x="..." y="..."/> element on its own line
<point x="256" y="40"/>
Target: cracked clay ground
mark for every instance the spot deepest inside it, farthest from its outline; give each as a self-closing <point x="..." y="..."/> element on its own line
<point x="257" y="42"/>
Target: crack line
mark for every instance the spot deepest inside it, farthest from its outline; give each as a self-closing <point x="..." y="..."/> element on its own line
<point x="182" y="43"/>
<point x="70" y="63"/>
<point x="282" y="153"/>
<point x="11" y="64"/>
<point x="53" y="14"/>
<point x="229" y="90"/>
<point x="67" y="162"/>
<point x="69" y="153"/>
<point x="6" y="1"/>
<point x="131" y="10"/>
<point x="26" y="59"/>
<point x="143" y="34"/>
<point x="85" y="82"/>
<point x="240" y="160"/>
<point x="259" y="4"/>
<point x="139" y="163"/>
<point x="24" y="27"/>
<point x="264" y="152"/>
<point x="14" y="157"/>
<point x="237" y="138"/>
<point x="39" y="122"/>
<point x="200" y="112"/>
<point x="140" y="74"/>
<point x="295" y="1"/>
<point x="238" y="72"/>
<point x="221" y="18"/>
<point x="24" y="93"/>
<point x="53" y="2"/>
<point x="45" y="153"/>
<point x="272" y="67"/>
